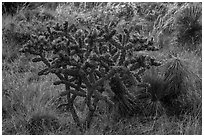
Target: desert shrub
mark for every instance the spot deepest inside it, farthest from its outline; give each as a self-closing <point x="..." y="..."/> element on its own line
<point x="91" y="57"/>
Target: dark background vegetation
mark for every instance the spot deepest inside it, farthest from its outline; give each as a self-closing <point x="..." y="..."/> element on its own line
<point x="29" y="101"/>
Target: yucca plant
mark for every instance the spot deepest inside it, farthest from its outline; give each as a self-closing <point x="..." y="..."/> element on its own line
<point x="179" y="96"/>
<point x="178" y="76"/>
<point x="149" y="99"/>
<point x="188" y="25"/>
<point x="171" y="91"/>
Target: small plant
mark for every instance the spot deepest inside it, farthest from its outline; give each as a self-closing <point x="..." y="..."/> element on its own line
<point x="179" y="94"/>
<point x="149" y="98"/>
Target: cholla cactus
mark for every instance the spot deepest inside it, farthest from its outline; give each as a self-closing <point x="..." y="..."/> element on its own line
<point x="84" y="59"/>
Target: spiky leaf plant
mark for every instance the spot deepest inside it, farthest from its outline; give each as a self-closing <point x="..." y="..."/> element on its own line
<point x="180" y="96"/>
<point x="149" y="99"/>
<point x="171" y="91"/>
<point x="177" y="76"/>
<point x="189" y="26"/>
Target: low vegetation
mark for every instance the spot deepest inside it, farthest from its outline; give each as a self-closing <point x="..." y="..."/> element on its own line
<point x="102" y="68"/>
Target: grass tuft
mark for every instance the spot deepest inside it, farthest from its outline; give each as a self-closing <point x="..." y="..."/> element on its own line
<point x="40" y="124"/>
